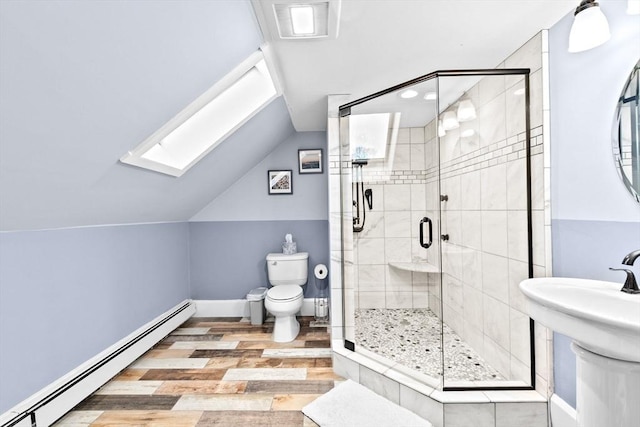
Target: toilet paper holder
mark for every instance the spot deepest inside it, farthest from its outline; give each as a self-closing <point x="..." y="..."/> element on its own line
<point x="321" y="301"/>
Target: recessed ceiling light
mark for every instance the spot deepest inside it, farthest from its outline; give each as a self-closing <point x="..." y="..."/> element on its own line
<point x="430" y="96"/>
<point x="409" y="93"/>
<point x="302" y="20"/>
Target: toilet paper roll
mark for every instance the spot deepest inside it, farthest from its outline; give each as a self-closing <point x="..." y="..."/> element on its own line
<point x="320" y="271"/>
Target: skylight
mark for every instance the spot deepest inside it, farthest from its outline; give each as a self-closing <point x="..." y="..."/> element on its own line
<point x="211" y="118"/>
<point x="374" y="137"/>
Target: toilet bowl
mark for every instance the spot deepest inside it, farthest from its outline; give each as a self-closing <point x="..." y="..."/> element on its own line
<point x="287" y="275"/>
<point x="284" y="302"/>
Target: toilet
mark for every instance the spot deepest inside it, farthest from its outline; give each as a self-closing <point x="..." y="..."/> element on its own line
<point x="287" y="275"/>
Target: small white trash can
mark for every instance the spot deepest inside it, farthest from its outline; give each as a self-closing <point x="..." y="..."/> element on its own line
<point x="256" y="303"/>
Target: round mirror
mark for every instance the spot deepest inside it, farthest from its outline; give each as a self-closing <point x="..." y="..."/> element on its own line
<point x="626" y="134"/>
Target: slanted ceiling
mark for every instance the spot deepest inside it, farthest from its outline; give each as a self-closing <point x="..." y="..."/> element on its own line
<point x="83" y="82"/>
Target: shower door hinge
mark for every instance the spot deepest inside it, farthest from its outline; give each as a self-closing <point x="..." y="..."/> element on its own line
<point x="349" y="345"/>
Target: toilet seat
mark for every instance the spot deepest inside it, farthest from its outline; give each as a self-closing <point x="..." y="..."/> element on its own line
<point x="284" y="293"/>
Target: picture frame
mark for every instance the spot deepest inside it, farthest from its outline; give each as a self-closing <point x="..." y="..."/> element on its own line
<point x="280" y="182"/>
<point x="310" y="161"/>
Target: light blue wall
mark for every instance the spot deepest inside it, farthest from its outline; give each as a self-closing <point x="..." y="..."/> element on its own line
<point x="586" y="249"/>
<point x="228" y="257"/>
<point x="248" y="198"/>
<point x="68" y="294"/>
<point x="232" y="235"/>
<point x="595" y="222"/>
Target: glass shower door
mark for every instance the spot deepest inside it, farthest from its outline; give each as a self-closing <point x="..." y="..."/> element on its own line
<point x="390" y="199"/>
<point x="484" y="193"/>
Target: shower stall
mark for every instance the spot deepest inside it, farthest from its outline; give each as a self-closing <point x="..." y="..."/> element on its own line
<point x="437" y="230"/>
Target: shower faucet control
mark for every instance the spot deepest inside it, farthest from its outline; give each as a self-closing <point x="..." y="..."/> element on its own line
<point x="630" y="284"/>
<point x="368" y="195"/>
<point x="444" y="198"/>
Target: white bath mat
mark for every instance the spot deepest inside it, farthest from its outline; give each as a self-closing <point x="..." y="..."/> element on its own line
<point x="353" y="405"/>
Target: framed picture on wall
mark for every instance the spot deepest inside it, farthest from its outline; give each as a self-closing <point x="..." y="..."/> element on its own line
<point x="310" y="161"/>
<point x="280" y="182"/>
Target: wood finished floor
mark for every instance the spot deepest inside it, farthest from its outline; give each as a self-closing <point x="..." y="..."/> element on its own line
<point x="216" y="372"/>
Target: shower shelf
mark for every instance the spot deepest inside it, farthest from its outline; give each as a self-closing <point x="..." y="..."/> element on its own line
<point x="418" y="267"/>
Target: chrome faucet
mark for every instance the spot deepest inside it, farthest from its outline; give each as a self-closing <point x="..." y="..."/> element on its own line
<point x="630" y="285"/>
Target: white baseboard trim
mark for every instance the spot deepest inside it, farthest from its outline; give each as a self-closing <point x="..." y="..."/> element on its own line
<point x="52" y="402"/>
<point x="562" y="414"/>
<point x="239" y="308"/>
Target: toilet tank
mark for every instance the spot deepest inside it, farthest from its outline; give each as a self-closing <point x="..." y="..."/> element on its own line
<point x="287" y="269"/>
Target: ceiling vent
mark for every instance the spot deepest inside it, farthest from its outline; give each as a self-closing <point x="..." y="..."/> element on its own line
<point x="292" y="20"/>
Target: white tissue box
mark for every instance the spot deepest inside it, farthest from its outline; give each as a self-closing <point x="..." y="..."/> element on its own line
<point x="289" y="248"/>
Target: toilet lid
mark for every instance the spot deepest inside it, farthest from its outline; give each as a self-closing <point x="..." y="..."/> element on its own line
<point x="284" y="292"/>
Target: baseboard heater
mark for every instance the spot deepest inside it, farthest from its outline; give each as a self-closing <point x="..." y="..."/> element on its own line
<point x="54" y="401"/>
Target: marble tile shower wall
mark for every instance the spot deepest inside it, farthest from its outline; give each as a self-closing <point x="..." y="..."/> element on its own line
<point x="485" y="217"/>
<point x="391" y="231"/>
<point x="485" y="258"/>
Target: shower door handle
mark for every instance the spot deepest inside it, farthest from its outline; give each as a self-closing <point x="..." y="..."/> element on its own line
<point x="428" y="221"/>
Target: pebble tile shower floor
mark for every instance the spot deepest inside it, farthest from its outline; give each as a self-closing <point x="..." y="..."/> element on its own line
<point x="216" y="372"/>
<point x="411" y="337"/>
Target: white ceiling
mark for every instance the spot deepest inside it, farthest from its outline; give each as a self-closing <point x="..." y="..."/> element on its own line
<point x="385" y="42"/>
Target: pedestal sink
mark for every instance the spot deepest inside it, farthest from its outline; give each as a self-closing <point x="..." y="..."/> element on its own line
<point x="604" y="324"/>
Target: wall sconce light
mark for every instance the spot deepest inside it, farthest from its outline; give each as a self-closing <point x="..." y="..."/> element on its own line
<point x="590" y="27"/>
<point x="633" y="7"/>
<point x="466" y="111"/>
<point x="450" y="121"/>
